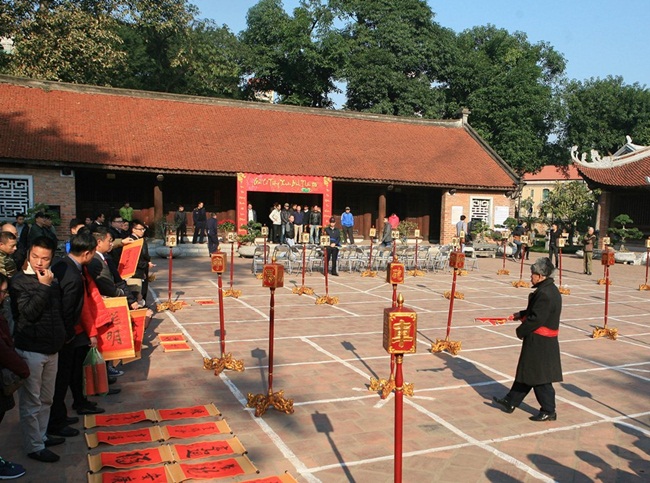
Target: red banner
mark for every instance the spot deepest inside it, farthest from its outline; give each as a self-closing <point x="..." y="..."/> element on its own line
<point x="278" y="183"/>
<point x="129" y="258"/>
<point x="115" y="340"/>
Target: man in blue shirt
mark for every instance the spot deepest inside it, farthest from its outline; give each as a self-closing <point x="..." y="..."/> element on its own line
<point x="347" y="222"/>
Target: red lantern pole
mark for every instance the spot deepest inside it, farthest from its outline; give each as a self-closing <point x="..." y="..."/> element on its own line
<point x="271" y="339"/>
<point x="304" y="259"/>
<point x="505" y="245"/>
<point x="222" y="323"/>
<point x="523" y="255"/>
<point x="370" y="261"/>
<point x="169" y="284"/>
<point x="647" y="263"/>
<point x="232" y="263"/>
<point x="451" y="304"/>
<point x="265" y="251"/>
<point x="327" y="293"/>
<point x="606" y="295"/>
<point x="560" y="264"/>
<point x="399" y="417"/>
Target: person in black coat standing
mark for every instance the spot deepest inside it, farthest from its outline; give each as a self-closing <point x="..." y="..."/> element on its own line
<point x="199" y="218"/>
<point x="539" y="363"/>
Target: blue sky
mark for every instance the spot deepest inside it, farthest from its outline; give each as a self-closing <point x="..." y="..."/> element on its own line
<point x="597" y="38"/>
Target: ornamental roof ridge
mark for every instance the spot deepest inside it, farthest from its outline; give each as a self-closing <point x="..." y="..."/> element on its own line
<point x="628" y="153"/>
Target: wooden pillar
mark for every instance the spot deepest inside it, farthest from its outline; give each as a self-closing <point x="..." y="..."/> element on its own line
<point x="366" y="224"/>
<point x="157" y="202"/>
<point x="382" y="212"/>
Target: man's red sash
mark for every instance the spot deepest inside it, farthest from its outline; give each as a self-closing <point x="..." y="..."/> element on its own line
<point x="546" y="332"/>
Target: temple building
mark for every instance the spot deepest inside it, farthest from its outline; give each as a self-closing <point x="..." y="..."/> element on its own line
<point x="84" y="149"/>
<point x="624" y="180"/>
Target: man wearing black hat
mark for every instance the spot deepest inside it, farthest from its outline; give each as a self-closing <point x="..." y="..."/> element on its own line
<point x="333" y="248"/>
<point x="40" y="228"/>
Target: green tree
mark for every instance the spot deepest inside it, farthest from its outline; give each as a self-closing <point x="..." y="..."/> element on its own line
<point x="297" y="57"/>
<point x="601" y="112"/>
<point x="394" y="51"/>
<point x="70" y="41"/>
<point x="510" y="86"/>
<point x="571" y="203"/>
<point x="623" y="232"/>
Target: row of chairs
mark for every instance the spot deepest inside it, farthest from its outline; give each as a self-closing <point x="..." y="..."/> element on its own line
<point x="353" y="258"/>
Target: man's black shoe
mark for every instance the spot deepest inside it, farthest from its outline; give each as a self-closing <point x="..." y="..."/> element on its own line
<point x="53" y="441"/>
<point x="90" y="410"/>
<point x="544" y="417"/>
<point x="44" y="455"/>
<point x="505" y="404"/>
<point x="113" y="390"/>
<point x="336" y="274"/>
<point x="84" y="404"/>
<point x="71" y="420"/>
<point x="65" y="431"/>
<point x="112" y="379"/>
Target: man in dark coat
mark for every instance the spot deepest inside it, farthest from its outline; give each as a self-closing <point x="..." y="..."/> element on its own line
<point x="553" y="249"/>
<point x="199" y="218"/>
<point x="213" y="234"/>
<point x="39" y="336"/>
<point x="539" y="362"/>
<point x="335" y="243"/>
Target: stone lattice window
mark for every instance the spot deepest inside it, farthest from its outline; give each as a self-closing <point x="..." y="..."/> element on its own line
<point x="16" y="195"/>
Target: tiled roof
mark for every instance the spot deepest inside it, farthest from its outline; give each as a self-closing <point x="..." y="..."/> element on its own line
<point x="624" y="174"/>
<point x="118" y="129"/>
<point x="554" y="173"/>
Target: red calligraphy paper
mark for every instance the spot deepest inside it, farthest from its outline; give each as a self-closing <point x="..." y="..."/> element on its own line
<point x="138" y="318"/>
<point x="115" y="340"/>
<point x="286" y="478"/>
<point x="176" y="346"/>
<point x="218" y="469"/>
<point x="129" y="258"/>
<point x="171" y="337"/>
<point x="185" y="431"/>
<point x="190" y="412"/>
<point x="205" y="302"/>
<point x="116" y="438"/>
<point x="122" y="419"/>
<point x="144" y="475"/>
<point x="128" y="459"/>
<point x="204" y="449"/>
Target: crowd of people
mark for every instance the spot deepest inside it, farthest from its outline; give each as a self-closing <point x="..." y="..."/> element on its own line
<point x="48" y="324"/>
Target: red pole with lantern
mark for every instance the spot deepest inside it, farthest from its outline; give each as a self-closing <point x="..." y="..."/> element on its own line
<point x="304" y="239"/>
<point x="607" y="259"/>
<point x="561" y="243"/>
<point x="395" y="275"/>
<point x="524" y="248"/>
<point x="645" y="286"/>
<point x="457" y="262"/>
<point x="170" y="241"/>
<point x="226" y="361"/>
<point x="416" y="272"/>
<point x="231" y="237"/>
<point x="368" y="272"/>
<point x="400" y="331"/>
<point x="503" y="270"/>
<point x="326" y="299"/>
<point x="273" y="278"/>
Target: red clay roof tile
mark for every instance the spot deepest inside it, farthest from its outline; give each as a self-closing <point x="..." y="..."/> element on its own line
<point x="112" y="128"/>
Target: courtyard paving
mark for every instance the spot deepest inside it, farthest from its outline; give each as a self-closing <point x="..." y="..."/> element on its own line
<point x="325" y="356"/>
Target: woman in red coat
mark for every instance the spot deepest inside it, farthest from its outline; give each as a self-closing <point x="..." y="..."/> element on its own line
<point x="539" y="362"/>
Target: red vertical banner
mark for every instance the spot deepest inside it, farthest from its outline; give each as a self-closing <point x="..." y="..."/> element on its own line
<point x="115" y="340"/>
<point x="129" y="259"/>
<point x="277" y="183"/>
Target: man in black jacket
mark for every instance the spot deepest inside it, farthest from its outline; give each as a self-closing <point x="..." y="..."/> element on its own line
<point x="539" y="363"/>
<point x="199" y="218"/>
<point x="39" y="336"/>
<point x="69" y="274"/>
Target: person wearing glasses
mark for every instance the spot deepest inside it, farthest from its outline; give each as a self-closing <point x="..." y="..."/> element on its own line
<point x="144" y="262"/>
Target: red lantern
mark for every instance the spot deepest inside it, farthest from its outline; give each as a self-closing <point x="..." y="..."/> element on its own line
<point x="219" y="262"/>
<point x="607" y="258"/>
<point x="400" y="329"/>
<point x="273" y="275"/>
<point x="395" y="273"/>
<point x="456" y="260"/>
